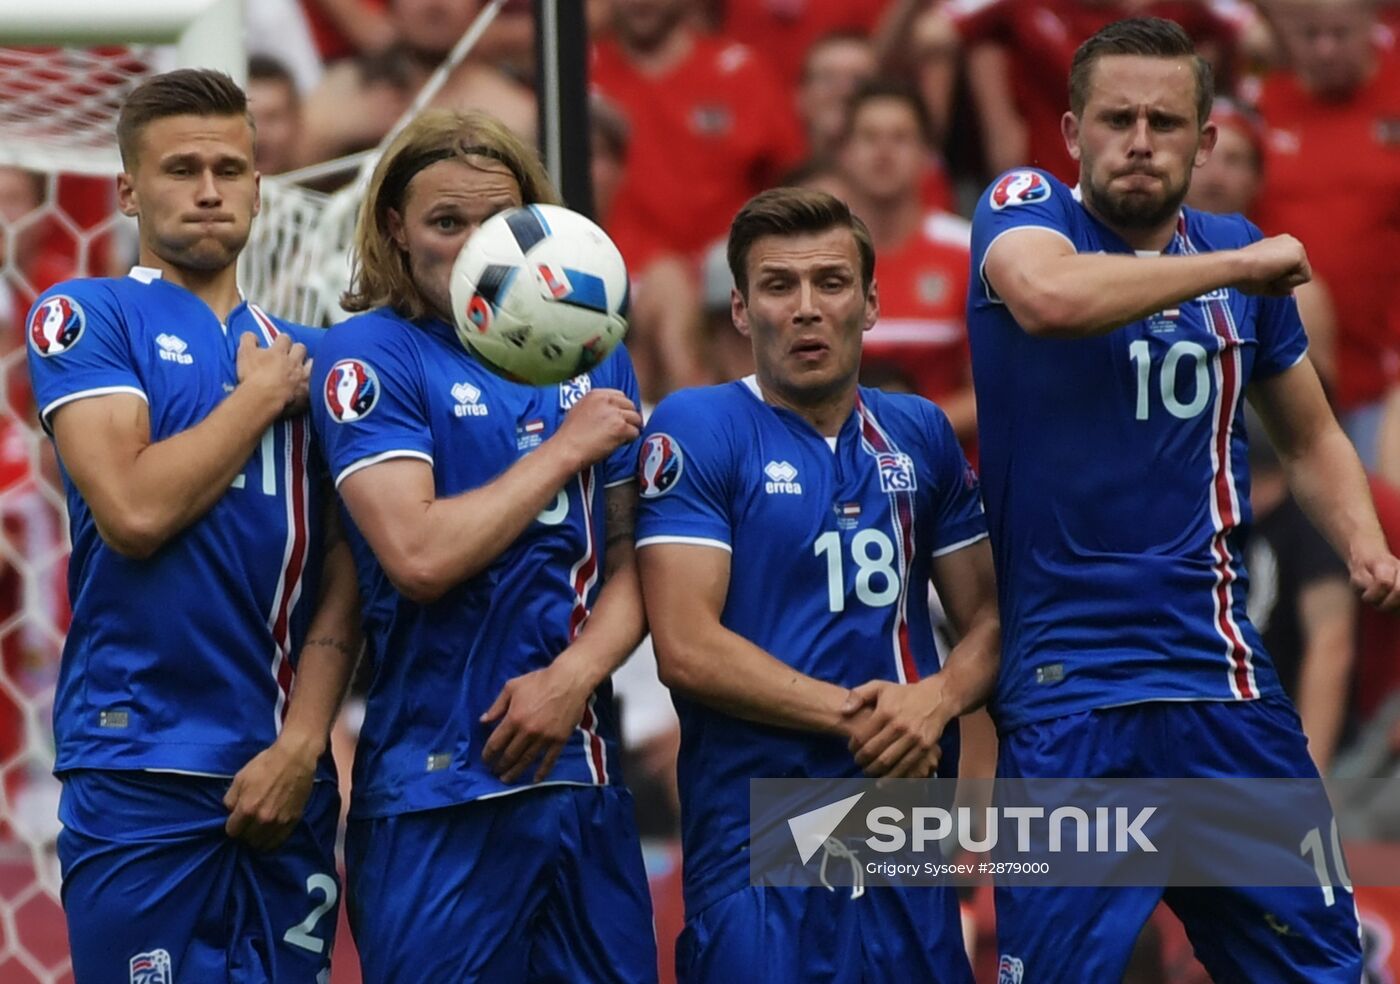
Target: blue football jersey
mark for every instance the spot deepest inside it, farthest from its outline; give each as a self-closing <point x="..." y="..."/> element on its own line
<point x="1114" y="475"/>
<point x="832" y="552"/>
<point x="388" y="388"/>
<point x="182" y="661"/>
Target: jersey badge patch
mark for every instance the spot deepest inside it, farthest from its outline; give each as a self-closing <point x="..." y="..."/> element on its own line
<point x="352" y="390"/>
<point x="1020" y="188"/>
<point x="896" y="472"/>
<point x="1010" y="970"/>
<point x="56" y="325"/>
<point x="151" y="967"/>
<point x="782" y="479"/>
<point x="573" y="390"/>
<point x="172" y="348"/>
<point x="659" y="465"/>
<point x="468" y="401"/>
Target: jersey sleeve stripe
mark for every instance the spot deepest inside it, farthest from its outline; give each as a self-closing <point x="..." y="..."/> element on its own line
<point x="375" y="459"/>
<point x="955" y="547"/>
<point x="86" y="394"/>
<point x="697" y="541"/>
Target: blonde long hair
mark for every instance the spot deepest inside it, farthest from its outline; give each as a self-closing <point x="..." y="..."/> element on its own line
<point x="379" y="268"/>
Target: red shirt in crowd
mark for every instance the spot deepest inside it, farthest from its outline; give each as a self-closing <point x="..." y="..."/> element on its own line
<point x="784" y="29"/>
<point x="1041" y="36"/>
<point x="923" y="298"/>
<point x="707" y="135"/>
<point x="1332" y="178"/>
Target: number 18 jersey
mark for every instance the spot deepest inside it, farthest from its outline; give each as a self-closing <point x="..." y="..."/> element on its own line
<point x="1114" y="474"/>
<point x="832" y="551"/>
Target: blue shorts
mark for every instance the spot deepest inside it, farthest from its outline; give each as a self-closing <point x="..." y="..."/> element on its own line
<point x="152" y="885"/>
<point x="780" y="935"/>
<point x="541" y="885"/>
<point x="1246" y="935"/>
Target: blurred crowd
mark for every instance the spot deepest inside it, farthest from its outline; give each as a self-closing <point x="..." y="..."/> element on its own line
<point x="907" y="109"/>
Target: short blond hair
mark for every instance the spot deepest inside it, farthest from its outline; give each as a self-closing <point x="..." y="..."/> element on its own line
<point x="379" y="269"/>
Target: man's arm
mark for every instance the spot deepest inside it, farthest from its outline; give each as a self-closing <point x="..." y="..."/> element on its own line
<point x="427" y="544"/>
<point x="269" y="794"/>
<point x="539" y="711"/>
<point x="684" y="587"/>
<point x="1327" y="479"/>
<point x="1327" y="616"/>
<point x="901" y="737"/>
<point x="1055" y="292"/>
<point x="141" y="493"/>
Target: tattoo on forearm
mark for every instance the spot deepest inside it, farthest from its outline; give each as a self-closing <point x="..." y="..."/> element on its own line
<point x="620" y="512"/>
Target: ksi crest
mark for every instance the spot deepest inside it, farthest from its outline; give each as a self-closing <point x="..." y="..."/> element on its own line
<point x="1010" y="970"/>
<point x="896" y="472"/>
<point x="152" y="967"/>
<point x="573" y="390"/>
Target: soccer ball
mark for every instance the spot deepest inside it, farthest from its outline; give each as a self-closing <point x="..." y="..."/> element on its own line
<point x="539" y="294"/>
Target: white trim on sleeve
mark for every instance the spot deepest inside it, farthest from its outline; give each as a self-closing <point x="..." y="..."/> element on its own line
<point x="696" y="541"/>
<point x="954" y="547"/>
<point x="375" y="459"/>
<point x="85" y="394"/>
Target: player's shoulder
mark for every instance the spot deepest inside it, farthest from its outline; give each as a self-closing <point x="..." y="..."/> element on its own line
<point x="906" y="415"/>
<point x="378" y="331"/>
<point x="1209" y="231"/>
<point x="92" y="290"/>
<point x="1022" y="187"/>
<point x="615" y="370"/>
<point x="705" y="412"/>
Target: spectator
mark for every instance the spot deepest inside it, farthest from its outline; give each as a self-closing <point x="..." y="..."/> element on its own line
<point x="1300" y="600"/>
<point x="710" y="126"/>
<point x="834" y="66"/>
<point x="276" y="108"/>
<point x="1018" y="56"/>
<point x="1332" y="177"/>
<point x="343" y="28"/>
<point x="1229" y="181"/>
<point x="787" y="29"/>
<point x="360" y="99"/>
<point x="278" y="29"/>
<point x="923" y="255"/>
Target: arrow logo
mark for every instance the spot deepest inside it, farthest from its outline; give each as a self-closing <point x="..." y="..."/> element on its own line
<point x="810" y="830"/>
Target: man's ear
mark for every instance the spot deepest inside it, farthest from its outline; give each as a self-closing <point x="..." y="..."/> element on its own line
<point x="1210" y="133"/>
<point x="872" y="305"/>
<point x="126" y="194"/>
<point x="1069" y="129"/>
<point x="396" y="230"/>
<point x="739" y="311"/>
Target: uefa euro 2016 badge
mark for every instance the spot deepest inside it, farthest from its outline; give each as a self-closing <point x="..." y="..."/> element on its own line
<point x="1019" y="188"/>
<point x="56" y="325"/>
<point x="352" y="390"/>
<point x="659" y="465"/>
<point x="151" y="967"/>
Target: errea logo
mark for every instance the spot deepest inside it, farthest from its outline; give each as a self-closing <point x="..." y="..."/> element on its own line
<point x="172" y="348"/>
<point x="782" y="479"/>
<point x="468" y="397"/>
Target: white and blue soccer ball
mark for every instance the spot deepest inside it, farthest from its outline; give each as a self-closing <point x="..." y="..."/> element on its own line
<point x="539" y="294"/>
